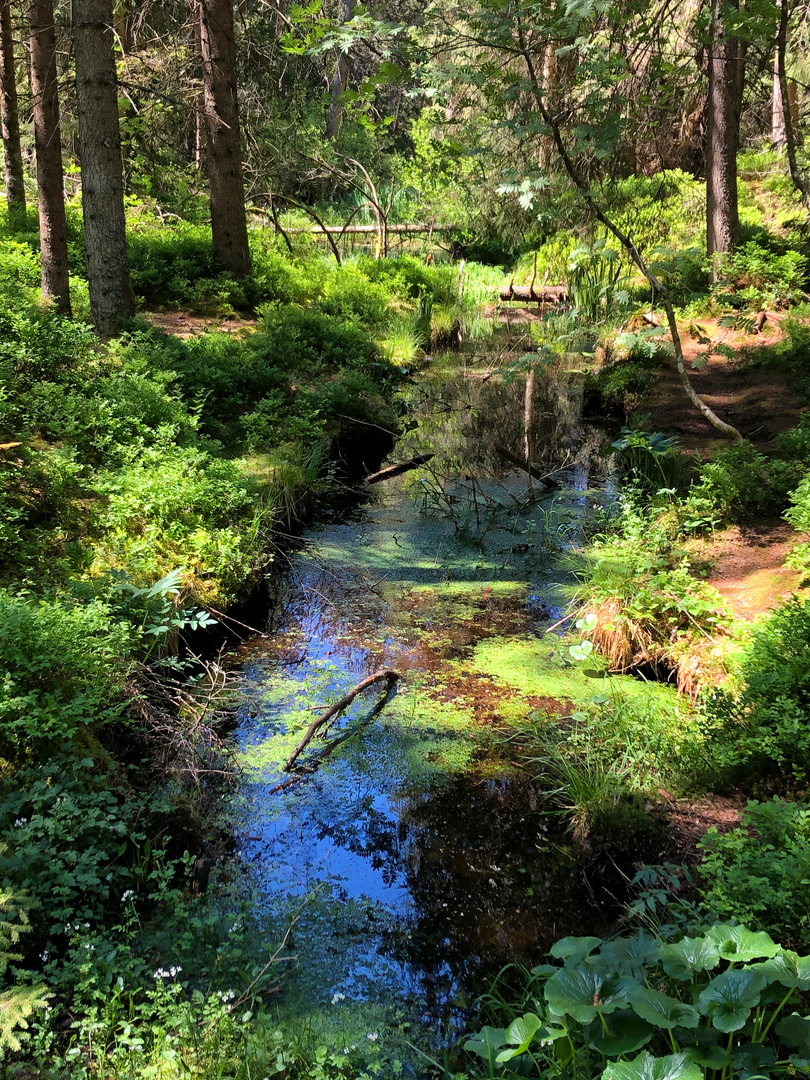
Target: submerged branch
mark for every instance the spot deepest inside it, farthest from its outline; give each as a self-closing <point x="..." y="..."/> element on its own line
<point x="388" y="674"/>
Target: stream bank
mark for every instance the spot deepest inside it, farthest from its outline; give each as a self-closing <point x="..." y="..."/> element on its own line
<point x="421" y="857"/>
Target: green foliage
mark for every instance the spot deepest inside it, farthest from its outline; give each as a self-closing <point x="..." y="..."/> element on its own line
<point x="693" y="1007"/>
<point x="623" y="388"/>
<point x="759" y="872"/>
<point x="762" y="733"/>
<point x="740" y="482"/>
<point x="764" y="277"/>
<point x="63" y="668"/>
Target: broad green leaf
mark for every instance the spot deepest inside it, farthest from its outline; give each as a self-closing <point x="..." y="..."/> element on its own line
<point x="740" y="944"/>
<point x="753" y="1058"/>
<point x="689" y="956"/>
<point x="583" y="993"/>
<point x="730" y="997"/>
<point x="647" y="1067"/>
<point x="520" y="1034"/>
<point x="630" y="955"/>
<point x="485" y="1041"/>
<point x="794" y="1031"/>
<point x="573" y="949"/>
<point x="625" y="1034"/>
<point x="710" y="1057"/>
<point x="787" y="968"/>
<point x="662" y="1010"/>
<point x="543" y="971"/>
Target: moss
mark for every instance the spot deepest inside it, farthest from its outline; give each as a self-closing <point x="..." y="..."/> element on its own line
<point x="542" y="668"/>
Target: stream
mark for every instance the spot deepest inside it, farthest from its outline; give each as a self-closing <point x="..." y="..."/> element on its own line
<point x="416" y="860"/>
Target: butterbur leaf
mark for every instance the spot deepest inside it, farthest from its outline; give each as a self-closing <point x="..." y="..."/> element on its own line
<point x="647" y="1067"/>
<point x="689" y="956"/>
<point x="787" y="968"/>
<point x="630" y="955"/>
<point x="521" y="1031"/>
<point x="583" y="993"/>
<point x="740" y="944"/>
<point x="485" y="1041"/>
<point x="794" y="1031"/>
<point x="710" y="1057"/>
<point x="730" y="997"/>
<point x="625" y="1034"/>
<point x="573" y="949"/>
<point x="753" y="1058"/>
<point x="662" y="1010"/>
<point x="542" y="971"/>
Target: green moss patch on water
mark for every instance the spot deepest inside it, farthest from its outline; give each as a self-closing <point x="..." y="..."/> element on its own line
<point x="542" y="667"/>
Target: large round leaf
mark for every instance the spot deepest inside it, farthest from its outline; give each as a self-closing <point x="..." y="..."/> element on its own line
<point x="662" y="1010"/>
<point x="794" y="1031"/>
<point x="787" y="968"/>
<point x="485" y="1041"/>
<point x="630" y="955"/>
<point x="647" y="1067"/>
<point x="740" y="944"/>
<point x="730" y="997"/>
<point x="623" y="1033"/>
<point x="574" y="949"/>
<point x="583" y="993"/>
<point x="687" y="957"/>
<point x="521" y="1033"/>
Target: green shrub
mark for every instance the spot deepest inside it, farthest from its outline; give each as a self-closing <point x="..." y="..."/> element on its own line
<point x="741" y="481"/>
<point x="759" y="873"/>
<point x="799" y="517"/>
<point x="765" y="278"/>
<point x="63" y="669"/>
<point x="763" y="733"/>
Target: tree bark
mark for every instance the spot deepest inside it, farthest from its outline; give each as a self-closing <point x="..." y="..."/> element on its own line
<point x="47" y="139"/>
<point x="105" y="239"/>
<point x="340" y="80"/>
<point x="722" y="139"/>
<point x="15" y="182"/>
<point x="224" y="154"/>
<point x="799" y="179"/>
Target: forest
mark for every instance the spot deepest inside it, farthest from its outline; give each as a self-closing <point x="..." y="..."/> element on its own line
<point x="405" y="540"/>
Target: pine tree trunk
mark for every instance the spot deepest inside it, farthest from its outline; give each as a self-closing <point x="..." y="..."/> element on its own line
<point x="224" y="154"/>
<point x="722" y="137"/>
<point x="15" y="184"/>
<point x="105" y="236"/>
<point x="50" y="177"/>
<point x="340" y="80"/>
<point x="778" y="134"/>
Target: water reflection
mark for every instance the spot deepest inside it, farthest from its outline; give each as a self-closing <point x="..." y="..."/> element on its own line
<point x="428" y="860"/>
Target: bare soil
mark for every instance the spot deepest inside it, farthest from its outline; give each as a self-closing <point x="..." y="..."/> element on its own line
<point x="182" y="324"/>
<point x="755" y="400"/>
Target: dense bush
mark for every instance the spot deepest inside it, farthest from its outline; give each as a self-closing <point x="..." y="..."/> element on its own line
<point x="759" y="873"/>
<point x="63" y="667"/>
<point x="762" y="734"/>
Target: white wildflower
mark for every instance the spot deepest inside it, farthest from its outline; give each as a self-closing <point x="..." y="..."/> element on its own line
<point x="372" y="1036"/>
<point x="338" y="997"/>
<point x="18" y="824"/>
<point x="127" y="895"/>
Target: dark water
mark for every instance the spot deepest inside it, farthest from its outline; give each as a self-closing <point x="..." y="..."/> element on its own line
<point x="417" y="859"/>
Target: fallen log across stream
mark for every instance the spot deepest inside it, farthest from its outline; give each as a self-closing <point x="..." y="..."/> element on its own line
<point x="388" y="674"/>
<point x="395" y="470"/>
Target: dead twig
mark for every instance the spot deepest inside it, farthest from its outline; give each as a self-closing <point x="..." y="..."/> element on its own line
<point x="389" y="675"/>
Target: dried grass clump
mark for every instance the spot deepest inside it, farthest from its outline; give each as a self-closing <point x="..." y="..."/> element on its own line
<point x="687" y="655"/>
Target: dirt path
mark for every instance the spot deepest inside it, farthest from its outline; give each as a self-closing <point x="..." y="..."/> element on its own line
<point x="756" y="400"/>
<point x="182" y="324"/>
<point x="748" y="567"/>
